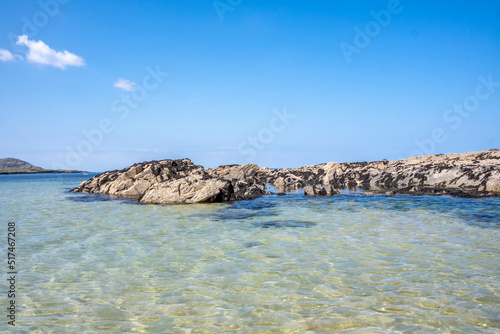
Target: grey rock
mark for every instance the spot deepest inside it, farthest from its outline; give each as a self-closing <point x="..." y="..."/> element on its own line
<point x="320" y="190"/>
<point x="188" y="190"/>
<point x="288" y="182"/>
<point x="178" y="182"/>
<point x="472" y="174"/>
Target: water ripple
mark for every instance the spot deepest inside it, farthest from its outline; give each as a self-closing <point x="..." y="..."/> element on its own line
<point x="280" y="264"/>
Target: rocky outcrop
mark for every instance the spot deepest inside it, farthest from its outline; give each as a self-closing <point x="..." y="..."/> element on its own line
<point x="188" y="190"/>
<point x="320" y="190"/>
<point x="177" y="182"/>
<point x="473" y="174"/>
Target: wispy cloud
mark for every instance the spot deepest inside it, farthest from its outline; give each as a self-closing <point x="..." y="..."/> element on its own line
<point x="6" y="55"/>
<point x="41" y="53"/>
<point x="125" y="84"/>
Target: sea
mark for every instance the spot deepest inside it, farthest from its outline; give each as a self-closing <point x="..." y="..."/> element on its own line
<point x="351" y="263"/>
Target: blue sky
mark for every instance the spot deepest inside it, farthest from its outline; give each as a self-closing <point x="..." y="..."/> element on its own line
<point x="278" y="83"/>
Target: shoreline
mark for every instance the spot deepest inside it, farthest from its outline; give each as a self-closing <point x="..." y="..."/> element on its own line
<point x="49" y="171"/>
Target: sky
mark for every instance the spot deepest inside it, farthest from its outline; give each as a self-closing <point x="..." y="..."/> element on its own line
<point x="93" y="85"/>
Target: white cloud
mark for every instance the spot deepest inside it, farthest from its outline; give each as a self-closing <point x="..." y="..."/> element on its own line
<point x="41" y="53"/>
<point x="124" y="84"/>
<point x="6" y="55"/>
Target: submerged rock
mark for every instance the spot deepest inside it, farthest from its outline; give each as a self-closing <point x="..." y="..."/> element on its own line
<point x="284" y="223"/>
<point x="472" y="174"/>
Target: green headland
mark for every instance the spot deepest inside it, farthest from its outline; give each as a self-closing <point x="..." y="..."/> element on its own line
<point x="16" y="166"/>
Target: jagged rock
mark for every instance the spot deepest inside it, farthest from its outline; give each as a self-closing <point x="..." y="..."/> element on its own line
<point x="493" y="185"/>
<point x="320" y="190"/>
<point x="188" y="190"/>
<point x="472" y="174"/>
<point x="457" y="174"/>
<point x="134" y="181"/>
<point x="179" y="181"/>
<point x="288" y="182"/>
<point x="238" y="173"/>
<point x="249" y="189"/>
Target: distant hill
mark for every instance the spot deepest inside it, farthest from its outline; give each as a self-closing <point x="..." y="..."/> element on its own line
<point x="16" y="166"/>
<point x="12" y="163"/>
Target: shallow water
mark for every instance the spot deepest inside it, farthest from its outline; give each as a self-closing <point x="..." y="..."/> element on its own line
<point x="279" y="264"/>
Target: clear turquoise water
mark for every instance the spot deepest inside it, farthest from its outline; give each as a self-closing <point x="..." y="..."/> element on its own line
<point x="280" y="264"/>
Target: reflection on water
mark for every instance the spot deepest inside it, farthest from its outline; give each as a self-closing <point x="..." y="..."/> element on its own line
<point x="279" y="264"/>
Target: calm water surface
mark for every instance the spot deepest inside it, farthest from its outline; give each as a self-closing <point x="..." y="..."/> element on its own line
<point x="279" y="264"/>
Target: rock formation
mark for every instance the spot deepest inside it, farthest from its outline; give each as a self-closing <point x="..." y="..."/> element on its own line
<point x="473" y="174"/>
<point x="175" y="182"/>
